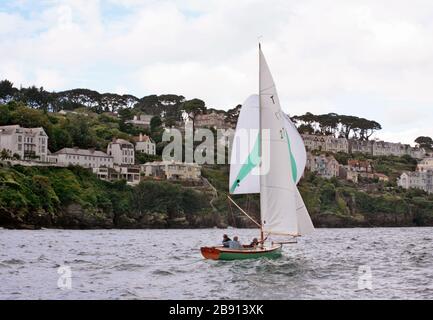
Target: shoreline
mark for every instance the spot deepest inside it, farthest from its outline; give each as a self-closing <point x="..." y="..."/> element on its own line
<point x="34" y="228"/>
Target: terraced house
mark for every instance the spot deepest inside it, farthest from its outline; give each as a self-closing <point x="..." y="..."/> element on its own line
<point x="324" y="166"/>
<point x="371" y="147"/>
<point x="422" y="180"/>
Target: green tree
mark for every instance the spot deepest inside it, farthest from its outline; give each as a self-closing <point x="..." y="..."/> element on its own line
<point x="4" y="154"/>
<point x="7" y="90"/>
<point x="425" y="142"/>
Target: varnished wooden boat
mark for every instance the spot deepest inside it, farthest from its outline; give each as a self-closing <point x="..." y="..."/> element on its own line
<point x="223" y="253"/>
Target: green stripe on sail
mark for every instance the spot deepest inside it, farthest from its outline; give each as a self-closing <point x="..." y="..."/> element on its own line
<point x="292" y="160"/>
<point x="252" y="161"/>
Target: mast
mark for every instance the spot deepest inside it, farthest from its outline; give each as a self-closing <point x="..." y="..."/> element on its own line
<point x="260" y="147"/>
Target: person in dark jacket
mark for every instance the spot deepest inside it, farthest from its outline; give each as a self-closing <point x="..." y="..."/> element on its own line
<point x="226" y="241"/>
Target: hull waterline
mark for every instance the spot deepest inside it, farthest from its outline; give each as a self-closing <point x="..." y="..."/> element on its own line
<point x="221" y="253"/>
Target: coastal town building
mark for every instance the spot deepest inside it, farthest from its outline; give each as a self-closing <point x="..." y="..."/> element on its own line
<point x="348" y="174"/>
<point x="425" y="165"/>
<point x="356" y="169"/>
<point x="171" y="170"/>
<point x="374" y="148"/>
<point x="26" y="143"/>
<point x="122" y="152"/>
<point x="324" y="166"/>
<point x="325" y="143"/>
<point x="141" y="121"/>
<point x="87" y="158"/>
<point x="210" y="120"/>
<point x="131" y="174"/>
<point x="144" y="144"/>
<point x="422" y="180"/>
<point x="360" y="146"/>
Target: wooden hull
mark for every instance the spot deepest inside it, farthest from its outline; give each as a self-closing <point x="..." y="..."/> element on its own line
<point x="221" y="253"/>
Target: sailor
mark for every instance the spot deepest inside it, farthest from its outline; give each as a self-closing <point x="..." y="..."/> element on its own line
<point x="254" y="243"/>
<point x="235" y="244"/>
<point x="226" y="241"/>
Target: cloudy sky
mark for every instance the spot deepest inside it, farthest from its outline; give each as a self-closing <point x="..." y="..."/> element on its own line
<point x="370" y="58"/>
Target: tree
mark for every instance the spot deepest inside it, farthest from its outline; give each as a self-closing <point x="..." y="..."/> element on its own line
<point x="155" y="123"/>
<point x="367" y="128"/>
<point x="4" y="154"/>
<point x="156" y="129"/>
<point x="194" y="107"/>
<point x="424" y="142"/>
<point x="7" y="90"/>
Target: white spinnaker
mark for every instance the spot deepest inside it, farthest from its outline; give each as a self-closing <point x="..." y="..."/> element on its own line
<point x="305" y="225"/>
<point x="244" y="160"/>
<point x="277" y="189"/>
<point x="297" y="147"/>
<point x="299" y="159"/>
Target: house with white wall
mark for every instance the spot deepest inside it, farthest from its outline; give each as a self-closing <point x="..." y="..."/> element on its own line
<point x="27" y="143"/>
<point x="87" y="158"/>
<point x="122" y="152"/>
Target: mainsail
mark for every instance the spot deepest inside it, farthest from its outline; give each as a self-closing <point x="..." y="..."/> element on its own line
<point x="283" y="158"/>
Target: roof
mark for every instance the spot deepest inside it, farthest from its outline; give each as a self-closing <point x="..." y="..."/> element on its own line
<point x="142" y="138"/>
<point x="8" y="130"/>
<point x="120" y="141"/>
<point x="82" y="152"/>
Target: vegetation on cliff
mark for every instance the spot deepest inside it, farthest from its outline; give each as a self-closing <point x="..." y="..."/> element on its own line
<point x="339" y="203"/>
<point x="74" y="198"/>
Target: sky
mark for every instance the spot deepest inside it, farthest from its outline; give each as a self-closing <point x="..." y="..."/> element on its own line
<point x="369" y="58"/>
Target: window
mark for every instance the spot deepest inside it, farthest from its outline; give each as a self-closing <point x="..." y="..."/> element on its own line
<point x="20" y="138"/>
<point x="20" y="147"/>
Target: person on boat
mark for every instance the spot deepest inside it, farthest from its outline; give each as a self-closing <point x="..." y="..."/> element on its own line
<point x="226" y="241"/>
<point x="254" y="243"/>
<point x="235" y="244"/>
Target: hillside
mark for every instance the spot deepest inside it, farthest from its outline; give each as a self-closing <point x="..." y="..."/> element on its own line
<point x="74" y="198"/>
<point x="339" y="203"/>
<point x="34" y="197"/>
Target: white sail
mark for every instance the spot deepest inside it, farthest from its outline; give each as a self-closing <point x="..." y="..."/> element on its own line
<point x="298" y="160"/>
<point x="305" y="225"/>
<point x="245" y="158"/>
<point x="297" y="150"/>
<point x="277" y="187"/>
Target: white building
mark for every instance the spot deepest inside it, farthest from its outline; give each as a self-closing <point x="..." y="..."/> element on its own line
<point x="425" y="165"/>
<point x="131" y="174"/>
<point x="374" y="148"/>
<point x="27" y="143"/>
<point x="171" y="170"/>
<point x="122" y="152"/>
<point x="417" y="180"/>
<point x="142" y="121"/>
<point x="145" y="144"/>
<point x="325" y="143"/>
<point x="83" y="157"/>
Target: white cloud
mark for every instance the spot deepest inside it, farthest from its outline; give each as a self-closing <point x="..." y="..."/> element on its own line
<point x="318" y="51"/>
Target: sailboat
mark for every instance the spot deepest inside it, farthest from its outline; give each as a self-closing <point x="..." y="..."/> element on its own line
<point x="272" y="165"/>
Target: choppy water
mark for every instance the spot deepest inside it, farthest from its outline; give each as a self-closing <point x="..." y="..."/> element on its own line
<point x="166" y="264"/>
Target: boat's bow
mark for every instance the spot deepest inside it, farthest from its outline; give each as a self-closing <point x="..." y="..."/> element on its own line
<point x="223" y="253"/>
